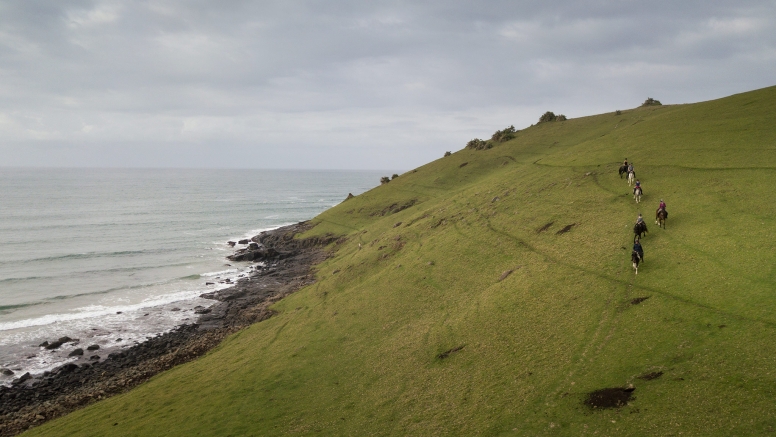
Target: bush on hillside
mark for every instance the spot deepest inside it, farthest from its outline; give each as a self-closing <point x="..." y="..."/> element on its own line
<point x="504" y="135"/>
<point x="478" y="144"/>
<point x="394" y="176"/>
<point x="618" y="112"/>
<point x="651" y="102"/>
<point x="550" y="116"/>
<point x="384" y="180"/>
<point x="448" y="153"/>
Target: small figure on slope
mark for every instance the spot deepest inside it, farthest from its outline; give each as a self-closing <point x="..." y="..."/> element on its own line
<point x="662" y="206"/>
<point x="637" y="187"/>
<point x="638" y="249"/>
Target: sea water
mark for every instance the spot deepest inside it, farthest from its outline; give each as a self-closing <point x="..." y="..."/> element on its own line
<point x="113" y="256"/>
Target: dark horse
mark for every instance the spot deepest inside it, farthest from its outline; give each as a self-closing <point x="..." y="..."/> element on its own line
<point x="635" y="259"/>
<point x="623" y="170"/>
<point x="660" y="218"/>
<point x="639" y="229"/>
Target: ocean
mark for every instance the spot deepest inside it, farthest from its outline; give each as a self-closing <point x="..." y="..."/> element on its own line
<point x="113" y="256"/>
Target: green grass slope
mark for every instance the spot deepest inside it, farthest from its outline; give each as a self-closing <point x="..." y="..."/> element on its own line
<point x="414" y="329"/>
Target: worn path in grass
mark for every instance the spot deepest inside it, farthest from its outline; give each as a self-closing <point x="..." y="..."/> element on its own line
<point x="417" y="327"/>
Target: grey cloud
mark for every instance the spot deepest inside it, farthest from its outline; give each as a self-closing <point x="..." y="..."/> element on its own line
<point x="346" y="84"/>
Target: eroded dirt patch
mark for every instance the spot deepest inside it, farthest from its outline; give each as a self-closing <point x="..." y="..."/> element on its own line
<point x="566" y="229"/>
<point x="638" y="300"/>
<point x="544" y="228"/>
<point x="614" y="397"/>
<point x="449" y="352"/>
<point x="394" y="208"/>
<point x="650" y="376"/>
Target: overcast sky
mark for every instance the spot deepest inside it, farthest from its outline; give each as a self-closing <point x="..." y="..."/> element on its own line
<point x="346" y="84"/>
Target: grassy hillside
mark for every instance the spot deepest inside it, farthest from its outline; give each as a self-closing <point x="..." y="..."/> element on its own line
<point x="414" y="327"/>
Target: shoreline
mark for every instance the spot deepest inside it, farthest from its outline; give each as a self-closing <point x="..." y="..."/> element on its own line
<point x="286" y="265"/>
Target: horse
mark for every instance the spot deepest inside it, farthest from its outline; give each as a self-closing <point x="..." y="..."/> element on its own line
<point x="637" y="194"/>
<point x="639" y="229"/>
<point x="635" y="259"/>
<point x="623" y="170"/>
<point x="660" y="218"/>
<point x="631" y="177"/>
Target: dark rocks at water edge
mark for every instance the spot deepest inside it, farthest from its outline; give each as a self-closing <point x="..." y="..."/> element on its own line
<point x="90" y="378"/>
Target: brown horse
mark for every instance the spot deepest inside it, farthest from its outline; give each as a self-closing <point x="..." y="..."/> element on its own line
<point x="660" y="218"/>
<point x="623" y="170"/>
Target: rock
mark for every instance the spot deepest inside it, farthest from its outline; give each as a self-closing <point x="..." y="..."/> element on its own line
<point x="76" y="352"/>
<point x="44" y="344"/>
<point x="93" y="347"/>
<point x="201" y="310"/>
<point x="118" y="312"/>
<point x="64" y="339"/>
<point x="54" y="345"/>
<point x="245" y="241"/>
<point x="495" y="199"/>
<point x="94" y="357"/>
<point x="7" y="372"/>
<point x="175" y="309"/>
<point x="253" y="246"/>
<point x="350" y="196"/>
<point x="21" y="379"/>
<point x="67" y="368"/>
<point x="231" y="243"/>
<point x="39" y="417"/>
<point x="209" y="283"/>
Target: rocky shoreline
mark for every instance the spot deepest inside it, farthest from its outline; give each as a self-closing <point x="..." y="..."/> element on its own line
<point x="284" y="266"/>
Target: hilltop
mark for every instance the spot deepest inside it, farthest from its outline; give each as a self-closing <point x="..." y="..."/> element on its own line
<point x="490" y="292"/>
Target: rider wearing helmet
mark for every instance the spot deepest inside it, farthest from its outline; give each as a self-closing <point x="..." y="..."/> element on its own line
<point x="638" y="249"/>
<point x="638" y="185"/>
<point x="661" y="206"/>
<point x="630" y="167"/>
<point x="639" y="219"/>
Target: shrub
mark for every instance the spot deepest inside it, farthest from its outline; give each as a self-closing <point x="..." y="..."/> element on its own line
<point x="651" y="102"/>
<point x="618" y="112"/>
<point x="448" y="153"/>
<point x="384" y="180"/>
<point x="504" y="135"/>
<point x="550" y="116"/>
<point x="478" y="144"/>
<point x="394" y="176"/>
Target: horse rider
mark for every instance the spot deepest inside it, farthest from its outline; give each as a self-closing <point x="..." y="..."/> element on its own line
<point x="663" y="207"/>
<point x="625" y="163"/>
<point x="630" y="166"/>
<point x="638" y="249"/>
<point x="638" y="185"/>
<point x="639" y="220"/>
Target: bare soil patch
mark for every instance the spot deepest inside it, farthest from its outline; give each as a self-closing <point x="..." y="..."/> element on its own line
<point x="544" y="228"/>
<point x="449" y="352"/>
<point x="650" y="376"/>
<point x="566" y="229"/>
<point x="638" y="300"/>
<point x="614" y="397"/>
